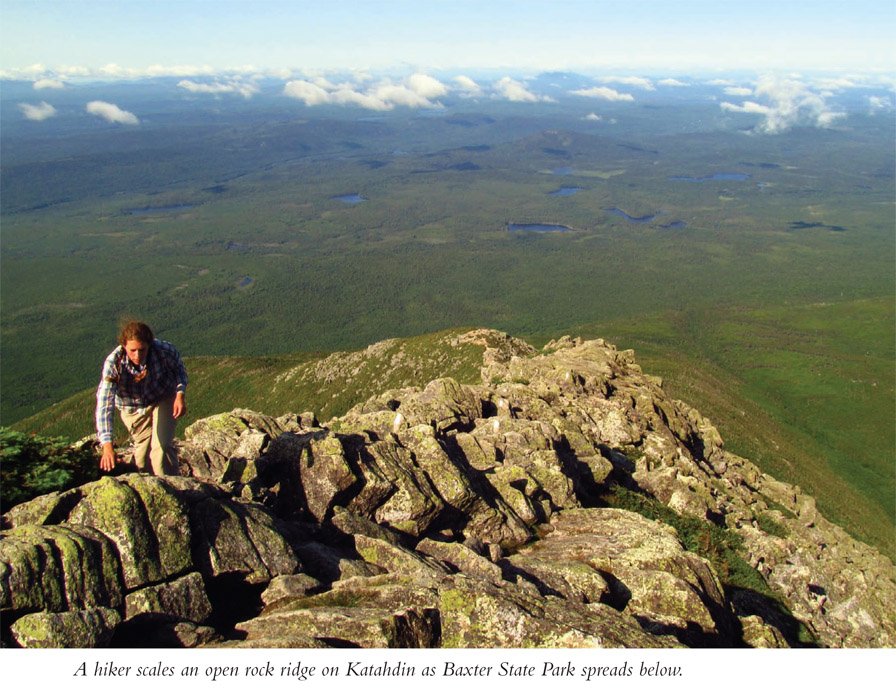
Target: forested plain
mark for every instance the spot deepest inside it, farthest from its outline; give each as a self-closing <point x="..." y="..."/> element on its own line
<point x="754" y="272"/>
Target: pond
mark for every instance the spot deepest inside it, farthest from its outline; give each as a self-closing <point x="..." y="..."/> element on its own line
<point x="642" y="219"/>
<point x="565" y="191"/>
<point x="349" y="198"/>
<point x="802" y="225"/>
<point x="537" y="227"/>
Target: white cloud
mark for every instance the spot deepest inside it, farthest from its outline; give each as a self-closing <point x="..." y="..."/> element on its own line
<point x="30" y="73"/>
<point x="176" y="71"/>
<point x="467" y="86"/>
<point x="48" y="84"/>
<point x="835" y="83"/>
<point x="828" y="118"/>
<point x="112" y="113"/>
<point x="70" y="71"/>
<point x="398" y="94"/>
<point x="878" y="103"/>
<point x="327" y="85"/>
<point x="793" y="103"/>
<point x="417" y="91"/>
<point x="280" y="73"/>
<point x="114" y="70"/>
<point x="197" y="87"/>
<point x="738" y="91"/>
<point x="347" y="96"/>
<point x="672" y="82"/>
<point x="593" y="117"/>
<point x="639" y="82"/>
<point x="36" y="70"/>
<point x="311" y="94"/>
<point x="37" y="112"/>
<point x="605" y="93"/>
<point x="516" y="91"/>
<point x="788" y="102"/>
<point x="426" y="86"/>
<point x="246" y="89"/>
<point x="361" y="77"/>
<point x="747" y="107"/>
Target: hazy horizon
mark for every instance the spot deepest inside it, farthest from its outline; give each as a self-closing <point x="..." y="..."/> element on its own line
<point x="96" y="39"/>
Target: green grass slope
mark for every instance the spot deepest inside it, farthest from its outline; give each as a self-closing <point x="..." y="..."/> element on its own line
<point x="327" y="385"/>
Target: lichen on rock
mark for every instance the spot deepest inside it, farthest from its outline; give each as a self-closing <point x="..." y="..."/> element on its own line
<point x="449" y="515"/>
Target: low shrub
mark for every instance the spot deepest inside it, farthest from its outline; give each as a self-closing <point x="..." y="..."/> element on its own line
<point x="32" y="465"/>
<point x="720" y="546"/>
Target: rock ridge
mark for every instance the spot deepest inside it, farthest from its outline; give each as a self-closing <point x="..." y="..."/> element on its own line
<point x="564" y="501"/>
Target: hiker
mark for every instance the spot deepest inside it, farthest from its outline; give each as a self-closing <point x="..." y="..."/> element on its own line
<point x="146" y="380"/>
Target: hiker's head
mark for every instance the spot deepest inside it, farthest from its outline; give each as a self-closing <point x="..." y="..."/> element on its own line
<point x="135" y="331"/>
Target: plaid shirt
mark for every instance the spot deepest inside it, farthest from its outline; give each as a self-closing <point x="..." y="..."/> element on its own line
<point x="165" y="375"/>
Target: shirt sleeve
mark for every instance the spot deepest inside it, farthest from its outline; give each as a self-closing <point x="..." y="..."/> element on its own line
<point x="105" y="401"/>
<point x="175" y="363"/>
<point x="182" y="378"/>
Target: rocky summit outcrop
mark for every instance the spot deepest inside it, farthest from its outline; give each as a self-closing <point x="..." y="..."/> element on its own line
<point x="566" y="501"/>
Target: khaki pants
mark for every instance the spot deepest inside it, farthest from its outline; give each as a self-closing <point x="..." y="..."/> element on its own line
<point x="153" y="434"/>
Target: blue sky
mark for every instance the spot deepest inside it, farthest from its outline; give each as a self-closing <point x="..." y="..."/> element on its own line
<point x="85" y="38"/>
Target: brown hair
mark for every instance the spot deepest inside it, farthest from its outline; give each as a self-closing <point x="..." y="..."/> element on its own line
<point x="135" y="330"/>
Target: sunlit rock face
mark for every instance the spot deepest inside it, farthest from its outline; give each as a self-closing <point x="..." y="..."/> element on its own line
<point x="565" y="501"/>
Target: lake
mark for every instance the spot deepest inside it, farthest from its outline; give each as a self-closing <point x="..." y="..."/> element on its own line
<point x="349" y="198"/>
<point x="565" y="191"/>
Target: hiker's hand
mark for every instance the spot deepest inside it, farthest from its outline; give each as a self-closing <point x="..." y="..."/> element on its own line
<point x="180" y="406"/>
<point x="109" y="458"/>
